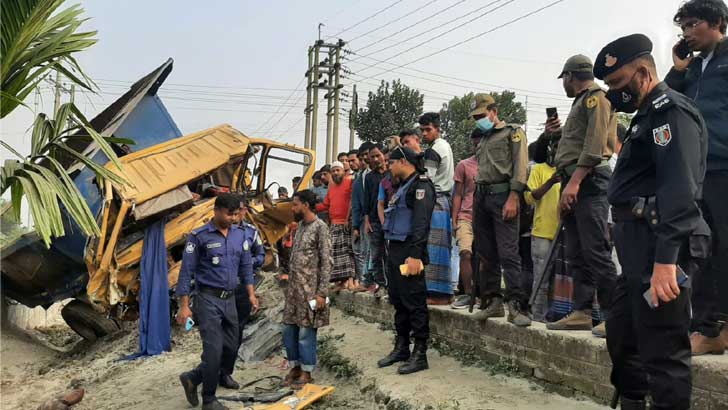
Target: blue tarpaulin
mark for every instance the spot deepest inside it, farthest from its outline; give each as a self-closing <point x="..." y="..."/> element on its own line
<point x="154" y="326"/>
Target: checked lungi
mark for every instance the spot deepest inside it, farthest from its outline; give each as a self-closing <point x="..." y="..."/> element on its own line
<point x="438" y="275"/>
<point x="342" y="253"/>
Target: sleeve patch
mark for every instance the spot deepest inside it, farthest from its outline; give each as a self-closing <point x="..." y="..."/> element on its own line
<point x="190" y="247"/>
<point x="592" y="101"/>
<point x="662" y="135"/>
<point x="516" y="137"/>
<point x="420" y="194"/>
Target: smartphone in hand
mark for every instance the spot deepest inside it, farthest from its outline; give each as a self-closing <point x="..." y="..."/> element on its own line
<point x="551" y="113"/>
<point x="682" y="50"/>
<point x="683" y="281"/>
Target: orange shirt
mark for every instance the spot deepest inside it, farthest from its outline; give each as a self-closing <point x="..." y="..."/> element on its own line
<point x="337" y="202"/>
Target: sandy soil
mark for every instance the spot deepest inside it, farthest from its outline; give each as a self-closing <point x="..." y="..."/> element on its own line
<point x="33" y="372"/>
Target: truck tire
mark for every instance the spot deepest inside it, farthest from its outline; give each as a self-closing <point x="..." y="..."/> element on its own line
<point x="87" y="322"/>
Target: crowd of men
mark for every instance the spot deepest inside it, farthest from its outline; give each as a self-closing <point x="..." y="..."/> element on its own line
<point x="534" y="225"/>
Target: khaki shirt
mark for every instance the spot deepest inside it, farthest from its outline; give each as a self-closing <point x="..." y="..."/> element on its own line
<point x="590" y="132"/>
<point x="503" y="157"/>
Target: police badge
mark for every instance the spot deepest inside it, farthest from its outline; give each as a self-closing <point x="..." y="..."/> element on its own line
<point x="419" y="194"/>
<point x="246" y="246"/>
<point x="190" y="247"/>
<point x="215" y="260"/>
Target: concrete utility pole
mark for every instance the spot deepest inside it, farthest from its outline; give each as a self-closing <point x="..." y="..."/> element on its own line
<point x="314" y="83"/>
<point x="337" y="99"/>
<point x="309" y="82"/>
<point x="329" y="105"/>
<point x="352" y="118"/>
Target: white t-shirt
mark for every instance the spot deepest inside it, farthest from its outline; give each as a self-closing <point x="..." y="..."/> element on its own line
<point x="440" y="165"/>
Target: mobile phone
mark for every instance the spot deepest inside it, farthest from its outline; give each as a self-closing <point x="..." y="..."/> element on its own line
<point x="683" y="281"/>
<point x="551" y="113"/>
<point x="682" y="50"/>
<point x="189" y="323"/>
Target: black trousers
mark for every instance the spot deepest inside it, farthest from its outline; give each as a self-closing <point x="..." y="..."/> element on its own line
<point x="496" y="243"/>
<point x="243" y="307"/>
<point x="217" y="320"/>
<point x="589" y="252"/>
<point x="408" y="295"/>
<point x="650" y="348"/>
<point x="377" y="254"/>
<point x="710" y="296"/>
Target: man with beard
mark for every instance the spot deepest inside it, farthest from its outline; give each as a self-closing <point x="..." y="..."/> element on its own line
<point x="214" y="254"/>
<point x="406" y="230"/>
<point x="306" y="306"/>
<point x="338" y="204"/>
<point x="654" y="193"/>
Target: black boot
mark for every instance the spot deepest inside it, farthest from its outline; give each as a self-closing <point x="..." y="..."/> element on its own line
<point x="630" y="404"/>
<point x="400" y="353"/>
<point x="418" y="360"/>
<point x="228" y="382"/>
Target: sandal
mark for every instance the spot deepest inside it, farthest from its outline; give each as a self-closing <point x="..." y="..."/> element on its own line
<point x="298" y="383"/>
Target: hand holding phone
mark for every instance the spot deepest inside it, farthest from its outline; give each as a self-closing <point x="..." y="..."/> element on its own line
<point x="189" y="324"/>
<point x="682" y="54"/>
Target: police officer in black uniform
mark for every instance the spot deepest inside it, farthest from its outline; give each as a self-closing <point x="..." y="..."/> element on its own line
<point x="406" y="229"/>
<point x="654" y="193"/>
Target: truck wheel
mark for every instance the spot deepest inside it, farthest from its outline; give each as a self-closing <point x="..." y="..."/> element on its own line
<point x="87" y="322"/>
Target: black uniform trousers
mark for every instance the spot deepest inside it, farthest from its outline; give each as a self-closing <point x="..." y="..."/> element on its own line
<point x="496" y="243"/>
<point x="710" y="296"/>
<point x="408" y="295"/>
<point x="649" y="348"/>
<point x="217" y="320"/>
<point x="588" y="250"/>
<point x="243" y="307"/>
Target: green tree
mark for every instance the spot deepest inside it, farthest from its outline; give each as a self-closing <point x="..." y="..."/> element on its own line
<point x="390" y="110"/>
<point x="457" y="125"/>
<point x="37" y="40"/>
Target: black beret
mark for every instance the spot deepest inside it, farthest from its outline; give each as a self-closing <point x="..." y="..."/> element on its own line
<point x="620" y="52"/>
<point x="410" y="156"/>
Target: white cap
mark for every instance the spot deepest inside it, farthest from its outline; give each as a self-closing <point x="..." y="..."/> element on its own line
<point x="337" y="164"/>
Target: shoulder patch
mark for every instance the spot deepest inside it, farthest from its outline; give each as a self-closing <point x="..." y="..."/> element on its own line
<point x="661" y="102"/>
<point x="190" y="247"/>
<point x="516" y="137"/>
<point x="662" y="135"/>
<point x="592" y="101"/>
<point x="419" y="194"/>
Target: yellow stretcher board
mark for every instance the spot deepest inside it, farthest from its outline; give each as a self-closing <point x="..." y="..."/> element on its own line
<point x="301" y="399"/>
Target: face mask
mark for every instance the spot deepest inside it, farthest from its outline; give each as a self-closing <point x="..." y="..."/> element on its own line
<point x="624" y="99"/>
<point x="484" y="124"/>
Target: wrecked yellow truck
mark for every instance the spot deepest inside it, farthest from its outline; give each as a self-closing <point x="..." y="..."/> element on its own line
<point x="168" y="177"/>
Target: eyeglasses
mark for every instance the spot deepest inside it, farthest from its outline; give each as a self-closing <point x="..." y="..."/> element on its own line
<point x="689" y="25"/>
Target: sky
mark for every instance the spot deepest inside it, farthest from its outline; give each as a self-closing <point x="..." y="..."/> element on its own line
<point x="243" y="62"/>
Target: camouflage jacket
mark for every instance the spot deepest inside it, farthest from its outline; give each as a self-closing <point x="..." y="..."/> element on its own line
<point x="310" y="269"/>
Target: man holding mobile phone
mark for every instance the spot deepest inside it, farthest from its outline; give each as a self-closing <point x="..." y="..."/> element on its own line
<point x="704" y="78"/>
<point x="586" y="144"/>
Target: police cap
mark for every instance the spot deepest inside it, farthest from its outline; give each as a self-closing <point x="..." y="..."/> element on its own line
<point x="410" y="156"/>
<point x="577" y="64"/>
<point x="620" y="52"/>
<point x="479" y="106"/>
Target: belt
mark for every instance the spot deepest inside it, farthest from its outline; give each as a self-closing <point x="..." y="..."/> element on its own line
<point x="492" y="189"/>
<point x="569" y="169"/>
<point x="623" y="214"/>
<point x="218" y="293"/>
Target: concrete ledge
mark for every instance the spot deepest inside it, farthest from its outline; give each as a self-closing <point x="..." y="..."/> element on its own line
<point x="569" y="362"/>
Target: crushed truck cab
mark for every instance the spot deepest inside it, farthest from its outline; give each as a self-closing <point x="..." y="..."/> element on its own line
<point x="178" y="181"/>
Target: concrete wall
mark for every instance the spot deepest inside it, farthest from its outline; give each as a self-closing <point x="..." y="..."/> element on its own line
<point x="568" y="362"/>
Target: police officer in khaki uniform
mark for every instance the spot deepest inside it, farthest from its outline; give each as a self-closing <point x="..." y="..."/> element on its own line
<point x="586" y="143"/>
<point x="502" y="155"/>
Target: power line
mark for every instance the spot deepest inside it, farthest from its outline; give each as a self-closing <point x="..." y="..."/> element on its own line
<point x="471" y="38"/>
<point x="409" y="26"/>
<point x="289" y="97"/>
<point x="418" y="35"/>
<point x="366" y="19"/>
<point x="419" y="7"/>
<point x="204" y="85"/>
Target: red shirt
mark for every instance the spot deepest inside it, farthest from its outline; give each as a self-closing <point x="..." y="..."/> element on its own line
<point x="337" y="202"/>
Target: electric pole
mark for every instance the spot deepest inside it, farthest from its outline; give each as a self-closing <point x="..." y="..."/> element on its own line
<point x="337" y="98"/>
<point x="329" y="105"/>
<point x="352" y="117"/>
<point x="310" y="80"/>
<point x="57" y="98"/>
<point x="314" y="91"/>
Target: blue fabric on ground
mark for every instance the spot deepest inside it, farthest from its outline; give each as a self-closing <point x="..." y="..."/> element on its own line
<point x="154" y="321"/>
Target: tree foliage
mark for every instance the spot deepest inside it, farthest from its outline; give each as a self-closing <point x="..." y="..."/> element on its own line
<point x="36" y="40"/>
<point x="390" y="110"/>
<point x="457" y="125"/>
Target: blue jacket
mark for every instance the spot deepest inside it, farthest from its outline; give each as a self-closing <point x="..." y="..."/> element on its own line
<point x="709" y="90"/>
<point x="215" y="260"/>
<point x="357" y="201"/>
<point x="253" y="244"/>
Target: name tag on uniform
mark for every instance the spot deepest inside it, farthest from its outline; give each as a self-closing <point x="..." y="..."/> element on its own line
<point x="213" y="245"/>
<point x="215" y="260"/>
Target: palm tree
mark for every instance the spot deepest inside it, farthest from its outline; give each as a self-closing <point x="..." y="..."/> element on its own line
<point x="38" y="40"/>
